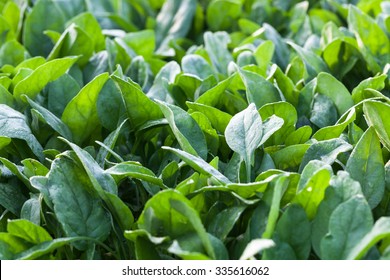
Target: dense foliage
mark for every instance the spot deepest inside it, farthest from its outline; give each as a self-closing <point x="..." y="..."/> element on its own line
<point x="222" y="129"/>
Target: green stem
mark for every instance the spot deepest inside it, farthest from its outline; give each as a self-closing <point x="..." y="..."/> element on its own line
<point x="275" y="207"/>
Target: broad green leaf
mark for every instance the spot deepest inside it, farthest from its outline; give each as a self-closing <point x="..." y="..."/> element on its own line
<point x="173" y="21"/>
<point x="11" y="197"/>
<point x="380" y="231"/>
<point x="79" y="211"/>
<point x="348" y="224"/>
<point x="14" y="125"/>
<point x="80" y="115"/>
<point x="346" y="59"/>
<point x="213" y="96"/>
<point x="263" y="55"/>
<point x="211" y="135"/>
<point x="290" y="157"/>
<point x="324" y="112"/>
<point x="312" y="185"/>
<point x="190" y="247"/>
<point x="33" y="37"/>
<point x="366" y="166"/>
<point x="299" y="136"/>
<point x="326" y="151"/>
<point x="140" y="108"/>
<point x="335" y="131"/>
<point x="199" y="165"/>
<point x="60" y="93"/>
<point x="377" y="83"/>
<point x="89" y="24"/>
<point x="221" y="224"/>
<point x="28" y="231"/>
<point x="216" y="47"/>
<point x="283" y="110"/>
<point x="222" y="13"/>
<point x="51" y="119"/>
<point x="186" y="130"/>
<point x="270" y="126"/>
<point x="31" y="210"/>
<point x="41" y="76"/>
<point x="110" y="107"/>
<point x="12" y="53"/>
<point x="377" y="114"/>
<point x="336" y="91"/>
<point x="258" y="90"/>
<point x="141" y="42"/>
<point x="218" y="119"/>
<point x="293" y="228"/>
<point x="133" y="170"/>
<point x="184" y="207"/>
<point x="74" y="41"/>
<point x="45" y="248"/>
<point x="244" y="133"/>
<point x="196" y="65"/>
<point x="372" y="40"/>
<point x="341" y="189"/>
<point x="314" y="64"/>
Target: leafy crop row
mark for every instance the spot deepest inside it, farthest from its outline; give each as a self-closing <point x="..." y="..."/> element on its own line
<point x="220" y="129"/>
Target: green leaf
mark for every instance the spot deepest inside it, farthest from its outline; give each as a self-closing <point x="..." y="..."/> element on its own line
<point x="51" y="119"/>
<point x="218" y="119"/>
<point x="258" y="90"/>
<point x="372" y="40"/>
<point x="89" y="24"/>
<point x="60" y="93"/>
<point x="174" y="21"/>
<point x="141" y="42"/>
<point x="216" y="47"/>
<point x="221" y="224"/>
<point x="45" y="248"/>
<point x="326" y="151"/>
<point x="11" y="197"/>
<point x="244" y="133"/>
<point x="293" y="228"/>
<point x="140" y="108"/>
<point x="336" y="91"/>
<point x="14" y="125"/>
<point x="290" y="157"/>
<point x="341" y="189"/>
<point x="380" y="231"/>
<point x="314" y="64"/>
<point x="222" y="13"/>
<point x="31" y="210"/>
<point x="79" y="210"/>
<point x="367" y="167"/>
<point x="196" y="65"/>
<point x="41" y="76"/>
<point x="377" y="83"/>
<point x="186" y="130"/>
<point x="28" y="231"/>
<point x="312" y="185"/>
<point x="33" y="37"/>
<point x="199" y="165"/>
<point x="348" y="224"/>
<point x="299" y="136"/>
<point x="80" y="115"/>
<point x="335" y="131"/>
<point x="133" y="170"/>
<point x="377" y="113"/>
<point x="74" y="41"/>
